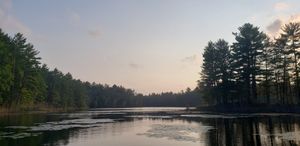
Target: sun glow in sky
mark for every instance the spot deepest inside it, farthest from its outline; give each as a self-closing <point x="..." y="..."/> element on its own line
<point x="147" y="45"/>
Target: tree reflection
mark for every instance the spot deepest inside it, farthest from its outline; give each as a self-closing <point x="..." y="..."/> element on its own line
<point x="254" y="131"/>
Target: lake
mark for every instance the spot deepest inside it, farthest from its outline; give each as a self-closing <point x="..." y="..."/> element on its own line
<point x="148" y="127"/>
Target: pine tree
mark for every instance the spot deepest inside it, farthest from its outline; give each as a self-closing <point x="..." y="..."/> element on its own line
<point x="246" y="50"/>
<point x="266" y="73"/>
<point x="223" y="68"/>
<point x="291" y="32"/>
<point x="215" y="71"/>
<point x="6" y="65"/>
<point x="208" y="82"/>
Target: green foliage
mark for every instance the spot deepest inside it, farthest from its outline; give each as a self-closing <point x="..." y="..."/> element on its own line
<point x="216" y="74"/>
<point x="6" y="76"/>
<point x="259" y="71"/>
<point x="245" y="53"/>
<point x="25" y="82"/>
<point x="291" y="33"/>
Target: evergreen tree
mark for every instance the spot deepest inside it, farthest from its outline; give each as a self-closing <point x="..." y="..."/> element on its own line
<point x="246" y="50"/>
<point x="215" y="73"/>
<point x="265" y="60"/>
<point x="291" y="33"/>
<point x="281" y="61"/>
<point x="6" y="65"/>
<point x="223" y="70"/>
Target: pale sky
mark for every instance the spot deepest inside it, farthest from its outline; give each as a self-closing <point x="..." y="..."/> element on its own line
<point x="146" y="45"/>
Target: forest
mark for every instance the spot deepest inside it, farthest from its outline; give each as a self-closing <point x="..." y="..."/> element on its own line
<point x="27" y="83"/>
<point x="254" y="70"/>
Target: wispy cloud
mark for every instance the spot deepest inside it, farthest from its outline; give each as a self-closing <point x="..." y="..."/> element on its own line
<point x="190" y="59"/>
<point x="279" y="6"/>
<point x="94" y="33"/>
<point x="274" y="28"/>
<point x="134" y="66"/>
<point x="190" y="62"/>
<point x="295" y="18"/>
<point x="9" y="22"/>
<point x="74" y="17"/>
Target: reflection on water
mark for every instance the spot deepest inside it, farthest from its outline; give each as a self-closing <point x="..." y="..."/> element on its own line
<point x="148" y="127"/>
<point x="267" y="131"/>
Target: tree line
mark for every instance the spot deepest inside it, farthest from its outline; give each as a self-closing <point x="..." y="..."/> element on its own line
<point x="254" y="69"/>
<point x="187" y="98"/>
<point x="26" y="82"/>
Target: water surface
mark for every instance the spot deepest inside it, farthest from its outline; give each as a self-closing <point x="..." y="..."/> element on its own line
<point x="148" y="127"/>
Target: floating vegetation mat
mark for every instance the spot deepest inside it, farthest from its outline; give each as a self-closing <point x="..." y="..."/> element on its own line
<point x="15" y="135"/>
<point x="150" y="116"/>
<point x="29" y="131"/>
<point x="211" y="116"/>
<point x="177" y="132"/>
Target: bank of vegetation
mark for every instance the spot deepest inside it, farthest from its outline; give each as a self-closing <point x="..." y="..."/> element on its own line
<point x="27" y="84"/>
<point x="253" y="71"/>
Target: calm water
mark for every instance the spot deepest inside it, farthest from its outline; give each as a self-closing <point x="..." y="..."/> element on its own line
<point x="148" y="127"/>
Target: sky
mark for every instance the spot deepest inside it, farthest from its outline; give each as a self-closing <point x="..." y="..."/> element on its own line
<point x="147" y="45"/>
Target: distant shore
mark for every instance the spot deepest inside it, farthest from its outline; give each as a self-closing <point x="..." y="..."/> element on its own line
<point x="199" y="110"/>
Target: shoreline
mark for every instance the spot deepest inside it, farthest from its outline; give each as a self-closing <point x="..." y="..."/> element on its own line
<point x="35" y="110"/>
<point x="292" y="109"/>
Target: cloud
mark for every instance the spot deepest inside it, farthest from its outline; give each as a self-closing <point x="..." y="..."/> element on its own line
<point x="190" y="62"/>
<point x="295" y="18"/>
<point x="6" y="4"/>
<point x="94" y="33"/>
<point x="281" y="6"/>
<point x="274" y="27"/>
<point x="134" y="66"/>
<point x="74" y="17"/>
<point x="190" y="59"/>
<point x="9" y="22"/>
<point x="253" y="18"/>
